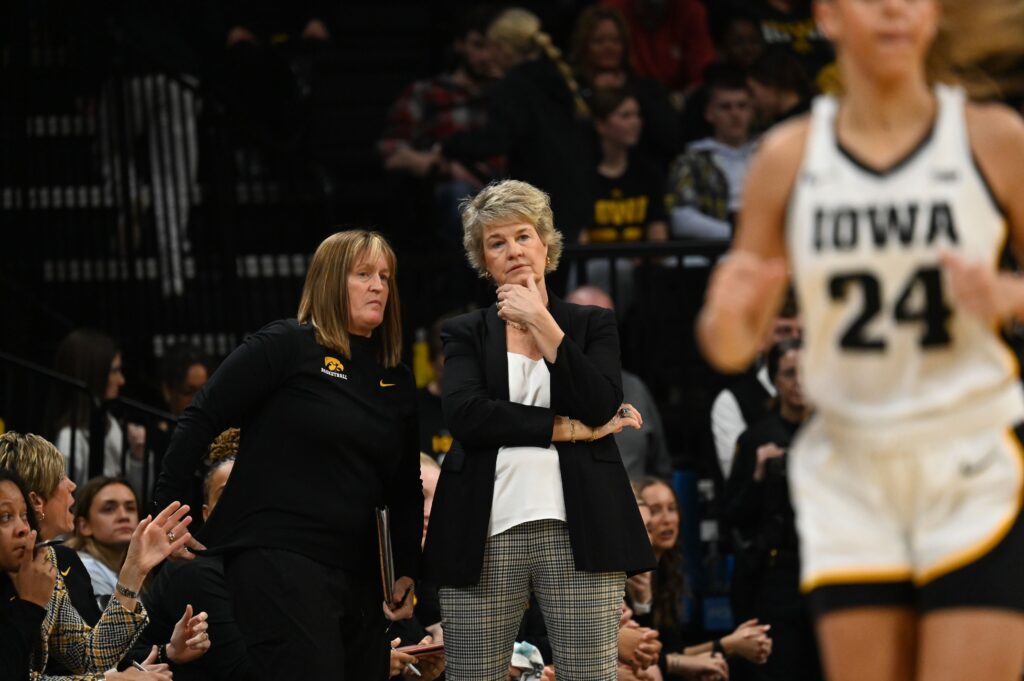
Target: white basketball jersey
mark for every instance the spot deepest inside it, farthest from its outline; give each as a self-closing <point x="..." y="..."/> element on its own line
<point x="884" y="349"/>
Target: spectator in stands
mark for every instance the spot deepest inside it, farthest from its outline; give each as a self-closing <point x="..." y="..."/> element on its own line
<point x="271" y="47"/>
<point x="537" y="118"/>
<point x="94" y="359"/>
<point x="200" y="583"/>
<point x="87" y="651"/>
<point x="705" y="186"/>
<point x="532" y="390"/>
<point x="184" y="371"/>
<point x="37" y="462"/>
<point x="747" y="397"/>
<point x="629" y="199"/>
<point x="741" y="45"/>
<point x="779" y="85"/>
<point x="106" y="515"/>
<point x="741" y="41"/>
<point x="766" y="583"/>
<point x="644" y="451"/>
<point x="671" y="42"/>
<point x="330" y="385"/>
<point x="790" y="24"/>
<point x="254" y="21"/>
<point x="432" y="110"/>
<point x="661" y="599"/>
<point x="435" y="439"/>
<point x="600" y="58"/>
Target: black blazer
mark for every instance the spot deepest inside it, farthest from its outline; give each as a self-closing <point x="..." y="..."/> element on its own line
<point x="605" y="527"/>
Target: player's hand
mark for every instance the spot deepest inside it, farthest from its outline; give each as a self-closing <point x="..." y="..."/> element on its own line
<point x="979" y="289"/>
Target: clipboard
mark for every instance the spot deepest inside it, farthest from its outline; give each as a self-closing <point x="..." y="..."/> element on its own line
<point x="387" y="559"/>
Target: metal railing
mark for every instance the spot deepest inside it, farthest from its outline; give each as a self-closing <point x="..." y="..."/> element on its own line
<point x="26" y="405"/>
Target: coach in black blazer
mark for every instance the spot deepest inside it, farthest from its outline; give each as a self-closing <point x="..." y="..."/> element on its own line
<point x="540" y="386"/>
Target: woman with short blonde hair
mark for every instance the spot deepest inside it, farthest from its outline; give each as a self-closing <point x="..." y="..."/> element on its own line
<point x="328" y="433"/>
<point x="505" y="202"/>
<point x="41" y="466"/>
<point x="533" y="496"/>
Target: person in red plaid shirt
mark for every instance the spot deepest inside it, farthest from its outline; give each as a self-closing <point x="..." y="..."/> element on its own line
<point x="434" y="109"/>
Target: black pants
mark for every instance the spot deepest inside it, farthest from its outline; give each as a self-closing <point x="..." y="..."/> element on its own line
<point x="305" y="620"/>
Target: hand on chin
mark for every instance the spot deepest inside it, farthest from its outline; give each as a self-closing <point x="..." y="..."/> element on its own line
<point x="520" y="277"/>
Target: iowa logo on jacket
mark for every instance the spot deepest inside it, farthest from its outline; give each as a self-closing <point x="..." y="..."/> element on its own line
<point x="333" y="367"/>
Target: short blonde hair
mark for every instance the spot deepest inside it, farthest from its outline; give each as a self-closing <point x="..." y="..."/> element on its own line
<point x="506" y="202"/>
<point x="324" y="303"/>
<point x="35" y="460"/>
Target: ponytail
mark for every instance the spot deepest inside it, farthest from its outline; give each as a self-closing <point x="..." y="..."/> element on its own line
<point x="980" y="45"/>
<point x="520" y="31"/>
<point x="543" y="41"/>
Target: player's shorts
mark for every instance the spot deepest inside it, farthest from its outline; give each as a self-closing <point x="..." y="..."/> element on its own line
<point x="939" y="526"/>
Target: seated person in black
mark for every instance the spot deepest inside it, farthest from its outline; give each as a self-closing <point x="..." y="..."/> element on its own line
<point x="757" y="506"/>
<point x="425" y="624"/>
<point x="25" y="584"/>
<point x="200" y="584"/>
<point x="660" y="604"/>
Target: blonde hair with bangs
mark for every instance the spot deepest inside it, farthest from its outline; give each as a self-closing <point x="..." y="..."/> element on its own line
<point x="325" y="304"/>
<point x="506" y="202"/>
<point x="35" y="460"/>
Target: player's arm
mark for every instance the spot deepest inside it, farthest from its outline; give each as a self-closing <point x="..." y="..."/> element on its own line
<point x="748" y="286"/>
<point x="997" y="142"/>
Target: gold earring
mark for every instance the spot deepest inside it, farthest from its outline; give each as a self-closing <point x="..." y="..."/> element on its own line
<point x="42" y="515"/>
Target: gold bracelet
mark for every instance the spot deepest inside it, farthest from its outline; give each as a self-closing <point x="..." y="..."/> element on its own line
<point x="572" y="432"/>
<point x="593" y="434"/>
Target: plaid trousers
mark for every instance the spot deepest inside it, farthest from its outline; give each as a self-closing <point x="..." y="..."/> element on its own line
<point x="581" y="609"/>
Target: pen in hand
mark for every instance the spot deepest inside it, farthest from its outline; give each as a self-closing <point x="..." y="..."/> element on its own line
<point x="412" y="668"/>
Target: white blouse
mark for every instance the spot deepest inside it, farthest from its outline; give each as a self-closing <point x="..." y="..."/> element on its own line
<point x="527" y="480"/>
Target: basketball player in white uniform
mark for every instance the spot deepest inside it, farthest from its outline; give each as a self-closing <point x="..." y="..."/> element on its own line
<point x="890" y="208"/>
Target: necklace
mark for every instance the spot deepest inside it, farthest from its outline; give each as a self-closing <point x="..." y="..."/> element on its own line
<point x="517" y="327"/>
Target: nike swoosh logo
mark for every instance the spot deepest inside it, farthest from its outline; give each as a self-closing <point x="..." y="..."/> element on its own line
<point x="969" y="470"/>
<point x="64" y="573"/>
<point x="386" y="385"/>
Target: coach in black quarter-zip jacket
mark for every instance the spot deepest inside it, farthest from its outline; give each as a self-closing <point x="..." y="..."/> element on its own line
<point x="329" y="432"/>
